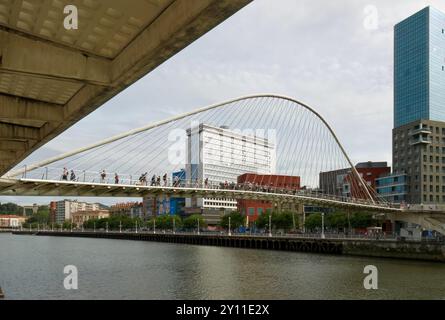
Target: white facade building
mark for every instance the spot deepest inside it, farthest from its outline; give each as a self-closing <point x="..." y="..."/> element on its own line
<point x="220" y="155"/>
<point x="11" y="221"/>
<point x="65" y="209"/>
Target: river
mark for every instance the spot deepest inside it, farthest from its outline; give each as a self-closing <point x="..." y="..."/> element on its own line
<point x="31" y="267"/>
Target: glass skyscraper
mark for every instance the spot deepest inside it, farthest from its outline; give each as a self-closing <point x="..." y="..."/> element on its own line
<point x="419" y="109"/>
<point x="419" y="67"/>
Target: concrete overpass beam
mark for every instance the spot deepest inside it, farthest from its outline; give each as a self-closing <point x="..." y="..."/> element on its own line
<point x="14" y="109"/>
<point x="8" y="155"/>
<point x="50" y="61"/>
<point x="13" y="145"/>
<point x="10" y="131"/>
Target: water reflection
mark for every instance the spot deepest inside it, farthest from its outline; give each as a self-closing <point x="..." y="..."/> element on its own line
<point x="32" y="268"/>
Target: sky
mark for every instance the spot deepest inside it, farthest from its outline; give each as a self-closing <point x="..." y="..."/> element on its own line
<point x="336" y="56"/>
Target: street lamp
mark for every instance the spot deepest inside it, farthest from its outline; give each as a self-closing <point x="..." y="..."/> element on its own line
<point x="304" y="220"/>
<point x="136" y="226"/>
<point x="154" y="225"/>
<point x="230" y="231"/>
<point x="322" y="225"/>
<point x="120" y="226"/>
<point x="270" y="225"/>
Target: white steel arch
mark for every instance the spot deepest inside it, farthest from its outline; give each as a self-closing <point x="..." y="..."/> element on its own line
<point x="21" y="171"/>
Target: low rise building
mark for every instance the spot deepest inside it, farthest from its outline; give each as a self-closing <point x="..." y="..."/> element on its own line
<point x="129" y="209"/>
<point x="80" y="217"/>
<point x="159" y="205"/>
<point x="11" y="221"/>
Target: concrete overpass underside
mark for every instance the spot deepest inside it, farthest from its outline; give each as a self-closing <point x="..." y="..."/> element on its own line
<point x="51" y="77"/>
<point x="428" y="220"/>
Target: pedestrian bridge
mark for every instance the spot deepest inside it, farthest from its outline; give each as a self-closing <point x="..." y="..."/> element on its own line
<point x="262" y="135"/>
<point x="288" y="150"/>
<point x="36" y="187"/>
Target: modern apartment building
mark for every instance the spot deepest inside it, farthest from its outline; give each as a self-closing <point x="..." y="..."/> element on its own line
<point x="392" y="187"/>
<point x="221" y="155"/>
<point x="419" y="106"/>
<point x="65" y="208"/>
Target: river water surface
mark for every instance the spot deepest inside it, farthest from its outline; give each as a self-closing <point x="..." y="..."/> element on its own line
<point x="31" y="267"/>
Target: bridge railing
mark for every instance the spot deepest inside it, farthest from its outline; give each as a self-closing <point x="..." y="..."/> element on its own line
<point x="73" y="175"/>
<point x="234" y="233"/>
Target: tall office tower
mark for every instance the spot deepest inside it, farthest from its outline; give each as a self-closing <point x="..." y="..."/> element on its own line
<point x="222" y="155"/>
<point x="419" y="105"/>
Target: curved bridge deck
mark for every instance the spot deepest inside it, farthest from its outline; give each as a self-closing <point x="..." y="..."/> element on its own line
<point x="35" y="187"/>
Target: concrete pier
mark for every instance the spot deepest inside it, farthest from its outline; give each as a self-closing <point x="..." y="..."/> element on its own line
<point x="427" y="251"/>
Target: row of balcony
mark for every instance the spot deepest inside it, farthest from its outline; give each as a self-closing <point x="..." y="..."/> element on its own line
<point x="421" y="130"/>
<point x="420" y="140"/>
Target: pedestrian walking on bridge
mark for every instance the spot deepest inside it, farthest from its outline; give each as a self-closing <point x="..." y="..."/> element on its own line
<point x="103" y="175"/>
<point x="73" y="176"/>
